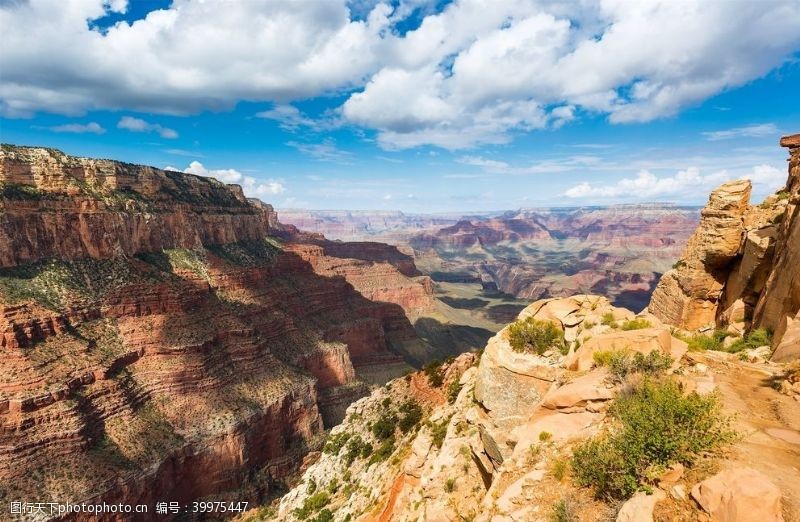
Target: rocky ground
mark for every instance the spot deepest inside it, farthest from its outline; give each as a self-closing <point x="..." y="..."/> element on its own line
<point x="500" y="450"/>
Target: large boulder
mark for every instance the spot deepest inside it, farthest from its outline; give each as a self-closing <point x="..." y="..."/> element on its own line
<point x="643" y="341"/>
<point x="688" y="295"/>
<point x="589" y="387"/>
<point x="739" y="495"/>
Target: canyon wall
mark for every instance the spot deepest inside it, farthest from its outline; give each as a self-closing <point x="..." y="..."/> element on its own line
<point x="159" y="344"/>
<point x="741" y="267"/>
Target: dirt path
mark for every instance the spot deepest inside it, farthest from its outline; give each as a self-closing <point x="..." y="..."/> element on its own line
<point x="768" y="421"/>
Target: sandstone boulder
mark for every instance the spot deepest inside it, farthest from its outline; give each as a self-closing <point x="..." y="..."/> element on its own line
<point x="643" y="341"/>
<point x="739" y="495"/>
<point x="590" y="387"/>
<point x="639" y="508"/>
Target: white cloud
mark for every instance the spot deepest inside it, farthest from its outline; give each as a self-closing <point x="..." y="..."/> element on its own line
<point x="749" y="131"/>
<point x="251" y="186"/>
<point x="326" y="150"/>
<point x="466" y="76"/>
<point x="137" y="125"/>
<point x="541" y="167"/>
<point x="183" y="59"/>
<point x="290" y="118"/>
<point x="79" y="128"/>
<point x="682" y="186"/>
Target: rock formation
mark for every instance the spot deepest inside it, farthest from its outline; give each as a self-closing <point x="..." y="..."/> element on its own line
<point x="740" y="267"/>
<point x="497" y="449"/>
<point x="166" y="339"/>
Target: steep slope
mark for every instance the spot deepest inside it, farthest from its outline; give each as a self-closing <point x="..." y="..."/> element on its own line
<point x="740" y="267"/>
<point x="497" y="437"/>
<point x="162" y="343"/>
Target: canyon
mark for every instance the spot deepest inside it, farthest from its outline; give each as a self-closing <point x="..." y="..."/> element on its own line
<point x="550" y="426"/>
<point x="618" y="251"/>
<point x="167" y="339"/>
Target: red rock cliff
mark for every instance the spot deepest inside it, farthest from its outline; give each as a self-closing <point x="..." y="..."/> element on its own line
<point x="158" y="345"/>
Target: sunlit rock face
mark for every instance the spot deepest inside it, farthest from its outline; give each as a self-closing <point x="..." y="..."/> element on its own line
<point x="740" y="267"/>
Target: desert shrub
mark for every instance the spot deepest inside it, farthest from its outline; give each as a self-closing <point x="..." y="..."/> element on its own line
<point x="312" y="504"/>
<point x="450" y="485"/>
<point x="754" y="339"/>
<point x="544" y="436"/>
<point x="622" y="363"/>
<point x="324" y="516"/>
<point x="559" y="468"/>
<point x="565" y="510"/>
<point x="678" y="264"/>
<point x="700" y="342"/>
<point x="383" y="428"/>
<point x="636" y="324"/>
<point x="656" y="426"/>
<point x="438" y="431"/>
<point x="588" y="325"/>
<point x="533" y="335"/>
<point x="312" y="487"/>
<point x="356" y="448"/>
<point x="433" y="371"/>
<point x="412" y="415"/>
<point x="335" y="443"/>
<point x="453" y="389"/>
<point x="384" y="451"/>
<point x="608" y="320"/>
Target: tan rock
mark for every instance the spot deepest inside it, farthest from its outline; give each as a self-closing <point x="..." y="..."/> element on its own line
<point x="643" y="341"/>
<point x="561" y="426"/>
<point x="639" y="508"/>
<point x="590" y="387"/>
<point x="739" y="495"/>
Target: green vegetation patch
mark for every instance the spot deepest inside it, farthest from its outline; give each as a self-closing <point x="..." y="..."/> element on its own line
<point x="533" y="335"/>
<point x="623" y="363"/>
<point x="411" y="415"/>
<point x="248" y="253"/>
<point x="656" y="425"/>
<point x="54" y="284"/>
<point x="754" y="339"/>
<point x="19" y="191"/>
<point x="636" y="324"/>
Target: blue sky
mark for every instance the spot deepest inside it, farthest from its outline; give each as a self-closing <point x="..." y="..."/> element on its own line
<point x="418" y="106"/>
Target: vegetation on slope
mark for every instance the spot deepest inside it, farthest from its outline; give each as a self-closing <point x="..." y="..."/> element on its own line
<point x="534" y="335"/>
<point x="656" y="425"/>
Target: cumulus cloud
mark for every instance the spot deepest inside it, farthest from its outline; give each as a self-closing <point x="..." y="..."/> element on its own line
<point x="647" y="185"/>
<point x="251" y="186"/>
<point x="466" y="76"/>
<point x="748" y="131"/>
<point x="79" y="128"/>
<point x="137" y="125"/>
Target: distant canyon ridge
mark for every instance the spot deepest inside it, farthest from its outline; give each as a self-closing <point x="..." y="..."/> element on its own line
<point x="619" y="251"/>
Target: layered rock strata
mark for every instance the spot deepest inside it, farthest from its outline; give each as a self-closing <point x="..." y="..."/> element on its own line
<point x="740" y="267"/>
<point x="159" y="344"/>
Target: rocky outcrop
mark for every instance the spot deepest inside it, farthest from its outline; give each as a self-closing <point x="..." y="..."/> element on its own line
<point x="740" y="268"/>
<point x="160" y="344"/>
<point x="688" y="295"/>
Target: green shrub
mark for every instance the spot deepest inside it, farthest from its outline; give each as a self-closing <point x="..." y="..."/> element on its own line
<point x="356" y="448"/>
<point x="754" y="339"/>
<point x="608" y="320"/>
<point x="383" y="428"/>
<point x="384" y="451"/>
<point x="312" y="504"/>
<point x="453" y="390"/>
<point x="678" y="264"/>
<point x="433" y="371"/>
<point x="412" y="415"/>
<point x="324" y="516"/>
<point x="533" y="335"/>
<point x="559" y="468"/>
<point x="656" y="426"/>
<point x="701" y="342"/>
<point x="438" y="431"/>
<point x="636" y="324"/>
<point x="622" y="363"/>
<point x="335" y="443"/>
<point x="565" y="510"/>
<point x="544" y="436"/>
<point x="450" y="485"/>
